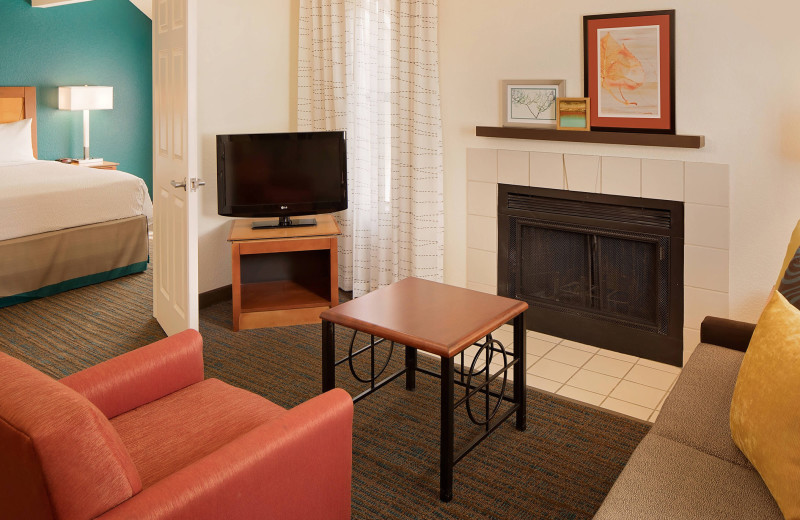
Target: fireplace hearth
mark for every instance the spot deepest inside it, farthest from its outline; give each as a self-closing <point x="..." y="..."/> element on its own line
<point x="604" y="270"/>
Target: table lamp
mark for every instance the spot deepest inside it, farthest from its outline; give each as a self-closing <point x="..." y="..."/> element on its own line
<point x="86" y="98"/>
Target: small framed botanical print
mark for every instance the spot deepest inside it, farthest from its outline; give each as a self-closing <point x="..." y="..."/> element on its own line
<point x="531" y="102"/>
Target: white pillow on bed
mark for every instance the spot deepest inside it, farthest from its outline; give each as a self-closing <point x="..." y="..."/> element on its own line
<point x="15" y="142"/>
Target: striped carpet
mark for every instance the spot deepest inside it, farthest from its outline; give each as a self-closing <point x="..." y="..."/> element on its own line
<point x="561" y="467"/>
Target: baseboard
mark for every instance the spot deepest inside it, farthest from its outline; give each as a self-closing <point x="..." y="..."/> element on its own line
<point x="220" y="294"/>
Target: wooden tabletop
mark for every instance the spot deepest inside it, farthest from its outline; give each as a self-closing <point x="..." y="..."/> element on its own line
<point x="430" y="316"/>
<point x="241" y="229"/>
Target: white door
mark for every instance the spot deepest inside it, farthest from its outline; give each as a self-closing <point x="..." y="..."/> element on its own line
<point x="175" y="196"/>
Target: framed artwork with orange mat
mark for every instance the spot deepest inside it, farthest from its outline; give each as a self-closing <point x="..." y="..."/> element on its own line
<point x="629" y="71"/>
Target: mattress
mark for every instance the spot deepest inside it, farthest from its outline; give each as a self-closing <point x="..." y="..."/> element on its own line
<point x="42" y="196"/>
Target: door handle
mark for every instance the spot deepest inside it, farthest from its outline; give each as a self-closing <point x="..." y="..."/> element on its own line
<point x="196" y="183"/>
<point x="176" y="184"/>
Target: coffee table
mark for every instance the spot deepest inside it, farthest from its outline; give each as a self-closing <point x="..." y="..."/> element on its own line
<point x="442" y="320"/>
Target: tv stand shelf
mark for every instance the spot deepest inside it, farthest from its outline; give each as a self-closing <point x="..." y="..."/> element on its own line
<point x="283" y="276"/>
<point x="285" y="294"/>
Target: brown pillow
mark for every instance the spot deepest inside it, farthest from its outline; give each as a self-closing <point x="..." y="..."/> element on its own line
<point x="765" y="410"/>
<point x="789" y="286"/>
<point x="794" y="243"/>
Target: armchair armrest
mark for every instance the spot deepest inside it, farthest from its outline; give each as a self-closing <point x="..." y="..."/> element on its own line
<point x="295" y="467"/>
<point x="731" y="334"/>
<point x="142" y="375"/>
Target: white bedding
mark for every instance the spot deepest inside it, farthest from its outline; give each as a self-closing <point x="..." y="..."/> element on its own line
<point x="41" y="196"/>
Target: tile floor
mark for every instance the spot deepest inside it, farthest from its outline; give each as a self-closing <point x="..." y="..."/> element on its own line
<point x="619" y="382"/>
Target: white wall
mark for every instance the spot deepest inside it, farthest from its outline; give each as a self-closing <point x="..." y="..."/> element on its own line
<point x="737" y="83"/>
<point x="246" y="83"/>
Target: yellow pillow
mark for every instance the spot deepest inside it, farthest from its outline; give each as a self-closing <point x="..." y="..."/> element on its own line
<point x="765" y="410"/>
<point x="794" y="243"/>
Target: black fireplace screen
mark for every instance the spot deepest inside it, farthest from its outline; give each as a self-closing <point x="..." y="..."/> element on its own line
<point x="615" y="278"/>
<point x="599" y="269"/>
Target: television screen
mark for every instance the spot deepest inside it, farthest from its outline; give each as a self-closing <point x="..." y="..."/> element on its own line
<point x="281" y="174"/>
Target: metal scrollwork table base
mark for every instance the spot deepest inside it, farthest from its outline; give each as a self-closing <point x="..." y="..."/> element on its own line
<point x="445" y="321"/>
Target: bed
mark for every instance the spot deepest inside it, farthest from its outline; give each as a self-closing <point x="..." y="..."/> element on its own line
<point x="61" y="226"/>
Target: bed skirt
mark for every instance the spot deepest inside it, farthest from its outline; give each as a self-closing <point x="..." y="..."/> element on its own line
<point x="48" y="263"/>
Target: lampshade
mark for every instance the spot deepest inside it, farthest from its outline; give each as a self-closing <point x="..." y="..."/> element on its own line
<point x="85" y="98"/>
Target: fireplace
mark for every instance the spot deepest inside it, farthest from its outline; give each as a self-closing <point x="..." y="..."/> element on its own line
<point x="604" y="270"/>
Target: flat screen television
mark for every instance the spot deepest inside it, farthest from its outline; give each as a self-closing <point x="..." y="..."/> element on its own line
<point x="281" y="175"/>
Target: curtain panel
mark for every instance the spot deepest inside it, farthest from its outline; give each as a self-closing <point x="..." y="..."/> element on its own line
<point x="370" y="67"/>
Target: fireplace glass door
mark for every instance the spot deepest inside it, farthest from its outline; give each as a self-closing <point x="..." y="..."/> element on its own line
<point x="611" y="277"/>
<point x="604" y="270"/>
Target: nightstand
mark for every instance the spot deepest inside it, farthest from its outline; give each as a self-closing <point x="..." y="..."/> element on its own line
<point x="105" y="165"/>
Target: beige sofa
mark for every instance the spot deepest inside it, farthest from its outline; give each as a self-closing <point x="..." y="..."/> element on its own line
<point x="687" y="466"/>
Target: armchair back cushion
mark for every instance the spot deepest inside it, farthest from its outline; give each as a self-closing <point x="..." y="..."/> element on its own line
<point x="59" y="455"/>
<point x="143" y="375"/>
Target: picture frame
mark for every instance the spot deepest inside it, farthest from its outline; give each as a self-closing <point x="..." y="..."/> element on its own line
<point x="531" y="103"/>
<point x="629" y="71"/>
<point x="573" y="114"/>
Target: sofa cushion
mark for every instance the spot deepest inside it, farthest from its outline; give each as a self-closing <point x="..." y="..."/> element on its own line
<point x="181" y="428"/>
<point x="697" y="411"/>
<point x="765" y="410"/>
<point x="665" y="479"/>
<point x="58" y="452"/>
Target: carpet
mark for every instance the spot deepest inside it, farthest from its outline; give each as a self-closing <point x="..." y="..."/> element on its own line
<point x="560" y="468"/>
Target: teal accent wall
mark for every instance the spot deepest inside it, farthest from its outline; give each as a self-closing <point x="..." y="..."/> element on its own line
<point x="102" y="42"/>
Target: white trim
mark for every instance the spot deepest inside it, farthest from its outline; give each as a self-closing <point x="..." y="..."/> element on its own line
<point x="54" y="3"/>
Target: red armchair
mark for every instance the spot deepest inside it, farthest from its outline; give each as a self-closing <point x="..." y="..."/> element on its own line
<point x="144" y="436"/>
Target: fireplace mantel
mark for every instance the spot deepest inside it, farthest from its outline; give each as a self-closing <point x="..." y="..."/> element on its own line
<point x="703" y="187"/>
<point x="593" y="136"/>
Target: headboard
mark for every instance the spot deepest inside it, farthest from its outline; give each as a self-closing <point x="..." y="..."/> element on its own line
<point x="17" y="103"/>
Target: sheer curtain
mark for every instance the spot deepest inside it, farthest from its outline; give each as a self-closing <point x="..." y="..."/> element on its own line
<point x="370" y="67"/>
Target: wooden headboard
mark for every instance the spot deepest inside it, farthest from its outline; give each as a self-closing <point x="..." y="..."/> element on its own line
<point x="17" y="103"/>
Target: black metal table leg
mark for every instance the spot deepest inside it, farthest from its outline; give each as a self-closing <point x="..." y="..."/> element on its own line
<point x="328" y="356"/>
<point x="519" y="370"/>
<point x="447" y="447"/>
<point x="411" y="368"/>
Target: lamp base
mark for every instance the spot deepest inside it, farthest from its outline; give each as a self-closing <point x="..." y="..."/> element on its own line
<point x="88" y="162"/>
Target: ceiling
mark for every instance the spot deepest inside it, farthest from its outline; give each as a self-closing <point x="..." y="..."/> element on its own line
<point x="145" y="6"/>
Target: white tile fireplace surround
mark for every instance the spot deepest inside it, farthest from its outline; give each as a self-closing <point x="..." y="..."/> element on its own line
<point x="703" y="187"/>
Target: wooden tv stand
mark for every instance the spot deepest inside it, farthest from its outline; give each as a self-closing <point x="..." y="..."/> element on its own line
<point x="283" y="276"/>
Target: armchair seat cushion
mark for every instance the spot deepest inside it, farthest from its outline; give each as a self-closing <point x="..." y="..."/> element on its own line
<point x="183" y="427"/>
